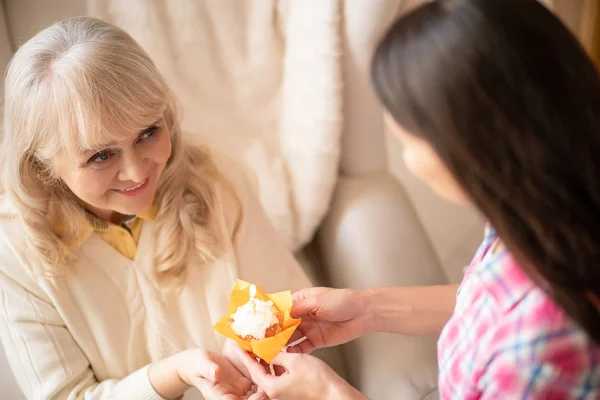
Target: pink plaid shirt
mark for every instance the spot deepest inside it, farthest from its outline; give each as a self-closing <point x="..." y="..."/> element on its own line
<point x="508" y="340"/>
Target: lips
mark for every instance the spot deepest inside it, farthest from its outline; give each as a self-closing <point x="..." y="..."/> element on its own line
<point x="133" y="190"/>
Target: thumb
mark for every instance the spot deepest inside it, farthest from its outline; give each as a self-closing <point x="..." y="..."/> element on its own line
<point x="287" y="360"/>
<point x="259" y="374"/>
<point x="305" y="302"/>
<point x="207" y="369"/>
<point x="200" y="380"/>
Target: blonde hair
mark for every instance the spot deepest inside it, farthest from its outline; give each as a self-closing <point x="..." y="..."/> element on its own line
<point x="79" y="82"/>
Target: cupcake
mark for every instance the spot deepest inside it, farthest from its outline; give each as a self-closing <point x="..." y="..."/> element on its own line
<point x="259" y="322"/>
<point x="257" y="319"/>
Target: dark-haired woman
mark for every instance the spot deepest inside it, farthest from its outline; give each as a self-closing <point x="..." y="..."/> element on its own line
<point x="496" y="104"/>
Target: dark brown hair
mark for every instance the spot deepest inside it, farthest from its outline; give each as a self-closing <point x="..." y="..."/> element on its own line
<point x="510" y="102"/>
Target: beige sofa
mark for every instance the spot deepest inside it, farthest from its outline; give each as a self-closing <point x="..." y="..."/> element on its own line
<point x="384" y="228"/>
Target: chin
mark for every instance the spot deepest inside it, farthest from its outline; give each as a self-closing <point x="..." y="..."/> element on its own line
<point x="133" y="206"/>
<point x="451" y="194"/>
<point x="456" y="198"/>
<point x="137" y="208"/>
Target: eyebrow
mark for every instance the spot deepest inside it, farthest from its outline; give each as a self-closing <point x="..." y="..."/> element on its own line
<point x="96" y="149"/>
<point x="104" y="146"/>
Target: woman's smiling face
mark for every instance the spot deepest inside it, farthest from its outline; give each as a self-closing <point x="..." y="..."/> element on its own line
<point x="117" y="177"/>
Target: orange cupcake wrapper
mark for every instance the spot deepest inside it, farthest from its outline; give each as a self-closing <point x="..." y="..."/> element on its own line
<point x="266" y="348"/>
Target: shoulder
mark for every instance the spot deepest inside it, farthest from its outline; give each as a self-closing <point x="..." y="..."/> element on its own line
<point x="522" y="345"/>
<point x="13" y="268"/>
<point x="522" y="309"/>
<point x="10" y="228"/>
<point x="536" y="357"/>
<point x="533" y="348"/>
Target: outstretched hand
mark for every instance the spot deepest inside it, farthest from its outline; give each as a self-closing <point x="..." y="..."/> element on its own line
<point x="212" y="374"/>
<point x="304" y="377"/>
<point x="330" y="317"/>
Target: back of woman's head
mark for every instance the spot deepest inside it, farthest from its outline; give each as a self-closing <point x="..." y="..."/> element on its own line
<point x="510" y="102"/>
<point x="75" y="85"/>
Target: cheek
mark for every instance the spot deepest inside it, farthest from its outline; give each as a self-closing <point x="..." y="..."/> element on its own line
<point x="424" y="164"/>
<point x="420" y="163"/>
<point x="89" y="185"/>
<point x="86" y="184"/>
<point x="162" y="149"/>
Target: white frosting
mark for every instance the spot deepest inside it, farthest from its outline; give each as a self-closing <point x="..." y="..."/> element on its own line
<point x="254" y="317"/>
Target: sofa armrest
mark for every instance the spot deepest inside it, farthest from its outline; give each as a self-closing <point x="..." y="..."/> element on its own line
<point x="373" y="237"/>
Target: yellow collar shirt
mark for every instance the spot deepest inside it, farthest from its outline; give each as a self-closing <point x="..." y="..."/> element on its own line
<point x="124" y="237"/>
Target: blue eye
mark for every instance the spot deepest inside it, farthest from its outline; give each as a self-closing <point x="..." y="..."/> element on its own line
<point x="148" y="133"/>
<point x="101" y="157"/>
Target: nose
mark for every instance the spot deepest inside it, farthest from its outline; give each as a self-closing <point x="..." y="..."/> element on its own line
<point x="134" y="168"/>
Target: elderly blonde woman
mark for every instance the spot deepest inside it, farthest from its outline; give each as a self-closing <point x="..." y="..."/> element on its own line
<point x="120" y="240"/>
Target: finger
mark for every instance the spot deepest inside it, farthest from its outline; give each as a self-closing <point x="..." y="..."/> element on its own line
<point x="309" y="292"/>
<point x="297" y="335"/>
<point x="305" y="297"/>
<point x="242" y="383"/>
<point x="300" y="341"/>
<point x="231" y="351"/>
<point x="278" y="370"/>
<point x="206" y="387"/>
<point x="211" y="390"/>
<point x="260" y="395"/>
<point x="286" y="360"/>
<point x="304" y="304"/>
<point x="209" y="370"/>
<point x="259" y="375"/>
<point x="304" y="337"/>
<point x="230" y="372"/>
<point x="253" y="389"/>
<point x="205" y="366"/>
<point x="305" y="347"/>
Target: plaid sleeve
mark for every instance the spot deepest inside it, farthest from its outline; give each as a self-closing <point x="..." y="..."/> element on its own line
<point x="553" y="365"/>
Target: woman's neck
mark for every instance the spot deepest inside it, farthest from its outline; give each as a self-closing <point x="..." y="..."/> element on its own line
<point x="107" y="215"/>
